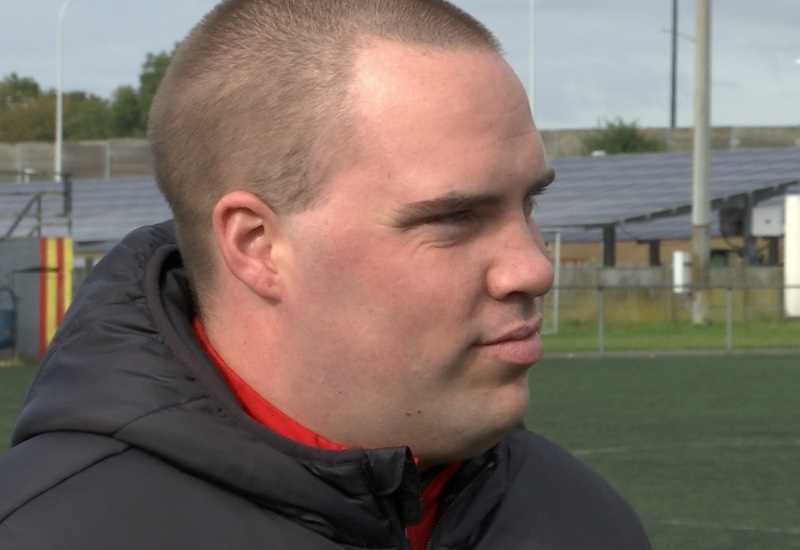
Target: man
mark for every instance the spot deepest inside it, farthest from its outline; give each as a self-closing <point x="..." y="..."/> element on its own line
<point x="336" y="353"/>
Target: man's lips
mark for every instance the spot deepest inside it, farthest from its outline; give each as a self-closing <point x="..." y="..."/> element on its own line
<point x="520" y="345"/>
<point x="520" y="333"/>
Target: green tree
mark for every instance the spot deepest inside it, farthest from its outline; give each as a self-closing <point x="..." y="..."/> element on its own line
<point x="130" y="106"/>
<point x="26" y="114"/>
<point x="153" y="71"/>
<point x="615" y="137"/>
<point x="85" y="116"/>
<point x="125" y="116"/>
<point x="16" y="91"/>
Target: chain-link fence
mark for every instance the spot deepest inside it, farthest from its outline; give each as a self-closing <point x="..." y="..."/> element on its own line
<point x="731" y="309"/>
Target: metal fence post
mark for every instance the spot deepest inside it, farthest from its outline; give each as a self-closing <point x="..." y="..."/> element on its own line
<point x="601" y="325"/>
<point x="729" y="318"/>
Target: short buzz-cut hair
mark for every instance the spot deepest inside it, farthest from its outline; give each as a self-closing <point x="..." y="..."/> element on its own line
<point x="256" y="96"/>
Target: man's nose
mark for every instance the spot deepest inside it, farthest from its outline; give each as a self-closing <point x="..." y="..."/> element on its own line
<point x="520" y="264"/>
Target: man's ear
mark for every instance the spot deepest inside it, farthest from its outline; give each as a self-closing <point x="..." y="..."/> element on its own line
<point x="247" y="231"/>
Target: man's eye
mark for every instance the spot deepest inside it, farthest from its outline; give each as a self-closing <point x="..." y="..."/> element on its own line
<point x="529" y="204"/>
<point x="459" y="217"/>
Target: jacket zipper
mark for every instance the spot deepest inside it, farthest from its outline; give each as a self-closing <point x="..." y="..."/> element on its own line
<point x="405" y="544"/>
<point x="460" y="497"/>
<point x="390" y="508"/>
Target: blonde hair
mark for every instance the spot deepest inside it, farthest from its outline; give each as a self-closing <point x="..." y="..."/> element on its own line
<point x="256" y="96"/>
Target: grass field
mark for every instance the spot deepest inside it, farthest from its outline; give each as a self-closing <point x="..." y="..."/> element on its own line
<point x="706" y="447"/>
<point x="13" y="384"/>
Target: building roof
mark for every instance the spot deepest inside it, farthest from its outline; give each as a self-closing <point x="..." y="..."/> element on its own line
<point x="645" y="196"/>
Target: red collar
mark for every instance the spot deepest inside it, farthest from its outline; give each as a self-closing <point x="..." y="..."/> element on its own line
<point x="258" y="407"/>
<point x="261" y="410"/>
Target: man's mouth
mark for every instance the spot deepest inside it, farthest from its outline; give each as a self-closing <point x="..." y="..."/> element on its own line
<point x="521" y="345"/>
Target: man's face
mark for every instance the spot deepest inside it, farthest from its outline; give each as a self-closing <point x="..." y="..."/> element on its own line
<point x="414" y="299"/>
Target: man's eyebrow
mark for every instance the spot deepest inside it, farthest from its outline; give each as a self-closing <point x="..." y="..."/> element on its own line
<point x="452" y="201"/>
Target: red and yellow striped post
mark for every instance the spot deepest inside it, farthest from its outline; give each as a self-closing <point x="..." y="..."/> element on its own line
<point x="55" y="286"/>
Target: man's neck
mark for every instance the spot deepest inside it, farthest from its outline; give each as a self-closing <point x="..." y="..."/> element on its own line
<point x="258" y="407"/>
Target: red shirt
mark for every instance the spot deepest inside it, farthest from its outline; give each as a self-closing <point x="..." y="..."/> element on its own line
<point x="261" y="410"/>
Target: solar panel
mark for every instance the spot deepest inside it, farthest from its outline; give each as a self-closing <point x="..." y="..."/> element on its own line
<point x="634" y="192"/>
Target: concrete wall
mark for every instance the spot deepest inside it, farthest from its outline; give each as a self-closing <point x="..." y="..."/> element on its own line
<point x="116" y="158"/>
<point x="131" y="157"/>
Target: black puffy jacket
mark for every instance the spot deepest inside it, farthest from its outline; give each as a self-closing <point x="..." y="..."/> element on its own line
<point x="130" y="439"/>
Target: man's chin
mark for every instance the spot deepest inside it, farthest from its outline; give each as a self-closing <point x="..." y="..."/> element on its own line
<point x="477" y="446"/>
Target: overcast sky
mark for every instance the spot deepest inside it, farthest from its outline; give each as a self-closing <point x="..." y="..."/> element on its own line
<point x="594" y="59"/>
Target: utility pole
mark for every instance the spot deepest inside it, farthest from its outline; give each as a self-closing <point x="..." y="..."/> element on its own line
<point x="701" y="173"/>
<point x="673" y="104"/>
<point x="531" y="55"/>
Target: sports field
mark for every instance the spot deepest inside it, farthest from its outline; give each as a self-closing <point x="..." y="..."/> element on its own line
<point x="706" y="447"/>
<point x="13" y="384"/>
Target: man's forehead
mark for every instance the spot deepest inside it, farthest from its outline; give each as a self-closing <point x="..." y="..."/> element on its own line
<point x="383" y="67"/>
<point x="410" y="88"/>
<point x="375" y="49"/>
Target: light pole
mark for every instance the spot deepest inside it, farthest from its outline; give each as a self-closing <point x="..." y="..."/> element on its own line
<point x="701" y="173"/>
<point x="673" y="102"/>
<point x="531" y="54"/>
<point x="58" y="164"/>
<point x="673" y="76"/>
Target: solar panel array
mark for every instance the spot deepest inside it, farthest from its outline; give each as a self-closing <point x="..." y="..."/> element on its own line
<point x="649" y="196"/>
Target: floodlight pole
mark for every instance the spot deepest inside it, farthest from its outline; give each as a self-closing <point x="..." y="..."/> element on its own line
<point x="673" y="103"/>
<point x="531" y="55"/>
<point x="59" y="146"/>
<point x="701" y="173"/>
